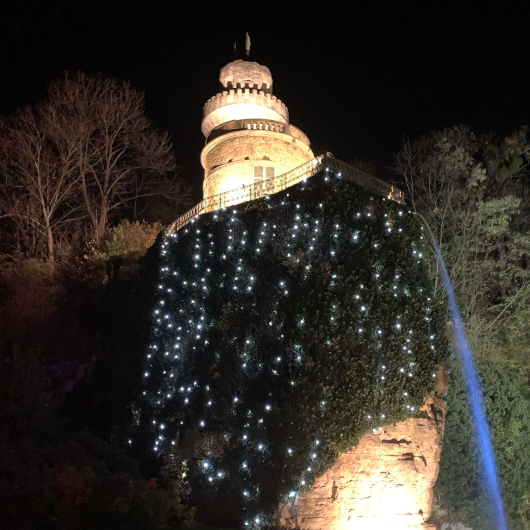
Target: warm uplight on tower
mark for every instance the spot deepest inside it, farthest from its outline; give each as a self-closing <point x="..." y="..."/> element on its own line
<point x="248" y="136"/>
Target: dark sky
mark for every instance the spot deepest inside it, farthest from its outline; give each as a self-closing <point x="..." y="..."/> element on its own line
<point x="356" y="76"/>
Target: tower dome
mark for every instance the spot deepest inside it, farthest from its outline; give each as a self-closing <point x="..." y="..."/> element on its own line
<point x="246" y="74"/>
<point x="247" y="93"/>
<point x="248" y="135"/>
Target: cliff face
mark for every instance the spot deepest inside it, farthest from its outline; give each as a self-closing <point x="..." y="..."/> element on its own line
<point x="385" y="483"/>
<point x="288" y="327"/>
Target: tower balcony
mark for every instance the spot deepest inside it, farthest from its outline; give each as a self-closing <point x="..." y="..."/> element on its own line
<point x="239" y="104"/>
<point x="259" y="125"/>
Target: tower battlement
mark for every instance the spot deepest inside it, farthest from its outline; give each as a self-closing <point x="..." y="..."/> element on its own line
<point x="251" y="103"/>
<point x="241" y="74"/>
<point x="261" y="125"/>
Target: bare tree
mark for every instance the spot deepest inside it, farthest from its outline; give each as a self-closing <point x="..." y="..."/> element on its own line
<point x="85" y="154"/>
<point x="363" y="164"/>
<point x="38" y="177"/>
<point x="120" y="157"/>
<point x="436" y="170"/>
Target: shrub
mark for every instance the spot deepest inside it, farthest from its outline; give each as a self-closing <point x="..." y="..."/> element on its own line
<point x="461" y="484"/>
<point x="121" y="248"/>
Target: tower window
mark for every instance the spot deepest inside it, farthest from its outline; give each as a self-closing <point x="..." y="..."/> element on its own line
<point x="263" y="172"/>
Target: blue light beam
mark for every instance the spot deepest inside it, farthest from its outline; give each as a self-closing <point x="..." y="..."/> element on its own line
<point x="474" y="397"/>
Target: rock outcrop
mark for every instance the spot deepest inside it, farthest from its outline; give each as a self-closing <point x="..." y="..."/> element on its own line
<point x="385" y="483"/>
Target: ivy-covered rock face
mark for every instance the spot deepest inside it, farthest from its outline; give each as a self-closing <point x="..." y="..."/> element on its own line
<point x="285" y="329"/>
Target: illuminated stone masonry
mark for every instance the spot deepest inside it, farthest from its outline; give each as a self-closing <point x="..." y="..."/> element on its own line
<point x="299" y="174"/>
<point x="248" y="136"/>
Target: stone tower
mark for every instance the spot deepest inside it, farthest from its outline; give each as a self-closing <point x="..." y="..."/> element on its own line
<point x="248" y="135"/>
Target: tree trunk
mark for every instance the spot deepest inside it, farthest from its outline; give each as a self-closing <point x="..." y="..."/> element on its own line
<point x="49" y="233"/>
<point x="102" y="222"/>
<point x="91" y="211"/>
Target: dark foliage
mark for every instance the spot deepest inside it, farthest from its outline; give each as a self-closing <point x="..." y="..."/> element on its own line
<point x="70" y="370"/>
<point x="286" y="328"/>
<point x="462" y="480"/>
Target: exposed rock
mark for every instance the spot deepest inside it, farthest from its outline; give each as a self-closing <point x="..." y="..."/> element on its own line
<point x="385" y="482"/>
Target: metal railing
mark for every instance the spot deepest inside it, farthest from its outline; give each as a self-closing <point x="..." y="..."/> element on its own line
<point x="253" y="124"/>
<point x="263" y="188"/>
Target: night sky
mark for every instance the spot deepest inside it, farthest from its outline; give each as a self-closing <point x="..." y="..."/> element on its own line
<point x="357" y="77"/>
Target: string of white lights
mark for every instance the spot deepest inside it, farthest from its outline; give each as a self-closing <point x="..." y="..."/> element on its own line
<point x="183" y="327"/>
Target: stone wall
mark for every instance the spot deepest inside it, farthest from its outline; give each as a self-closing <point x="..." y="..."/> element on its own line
<point x="228" y="160"/>
<point x="235" y="175"/>
<point x="385" y="483"/>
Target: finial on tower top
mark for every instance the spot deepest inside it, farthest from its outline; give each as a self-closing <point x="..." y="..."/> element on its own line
<point x="247" y="44"/>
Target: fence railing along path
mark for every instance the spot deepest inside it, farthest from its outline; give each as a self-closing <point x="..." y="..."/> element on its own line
<point x="281" y="182"/>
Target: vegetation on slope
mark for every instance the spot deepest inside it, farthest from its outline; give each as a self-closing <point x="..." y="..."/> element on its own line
<point x="284" y="330"/>
<point x="473" y="192"/>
